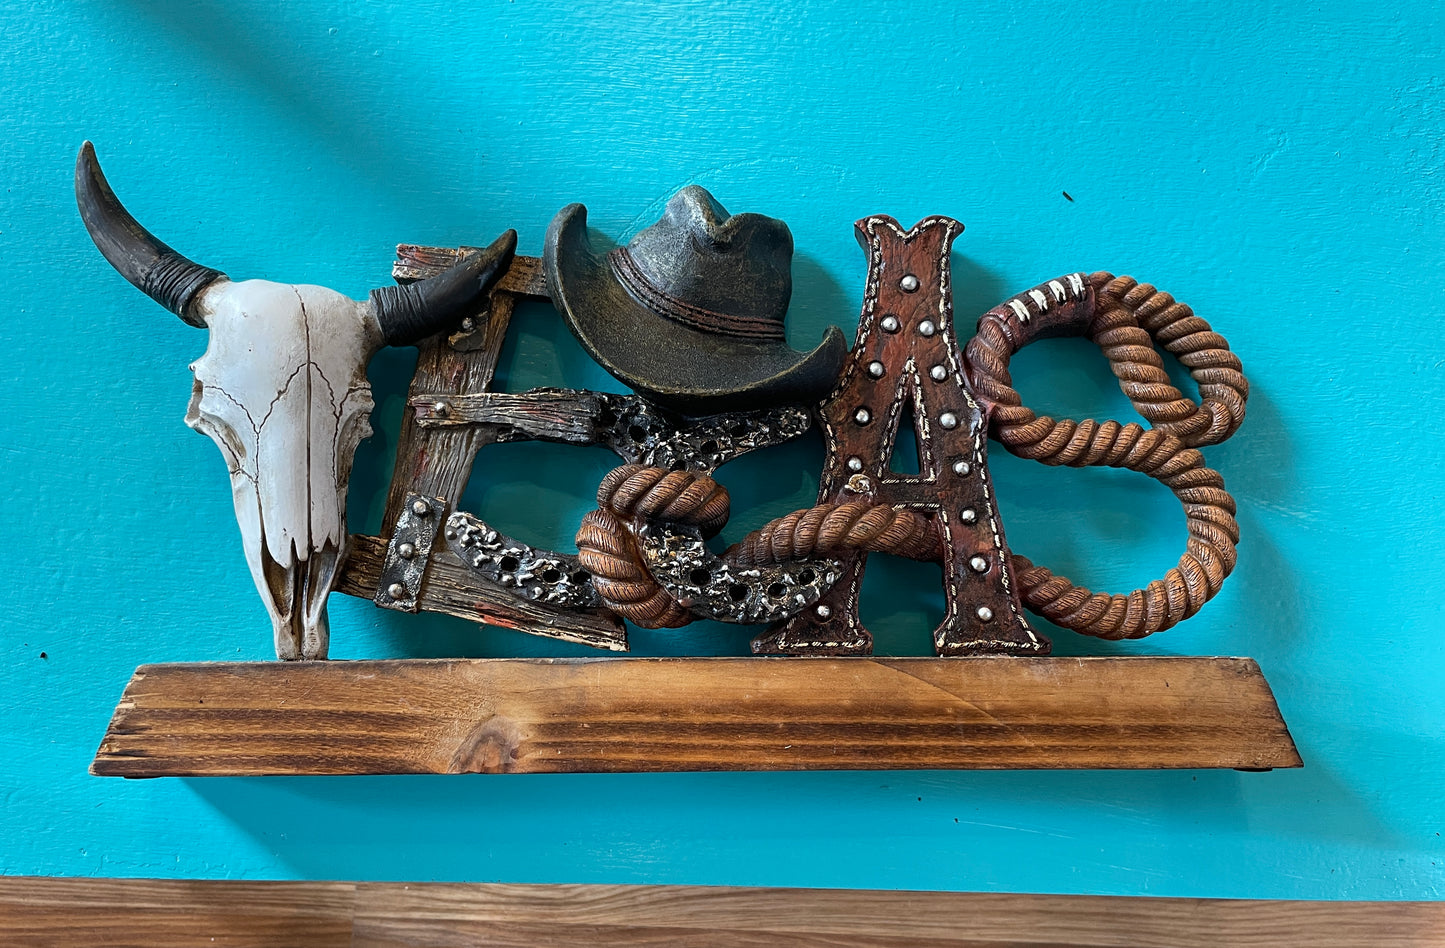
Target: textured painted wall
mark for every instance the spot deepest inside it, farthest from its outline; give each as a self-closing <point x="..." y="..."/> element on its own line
<point x="1277" y="166"/>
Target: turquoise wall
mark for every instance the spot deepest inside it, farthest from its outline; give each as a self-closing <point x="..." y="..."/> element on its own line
<point x="1278" y="166"/>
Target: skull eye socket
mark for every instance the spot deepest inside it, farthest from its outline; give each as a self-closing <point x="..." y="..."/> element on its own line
<point x="204" y="419"/>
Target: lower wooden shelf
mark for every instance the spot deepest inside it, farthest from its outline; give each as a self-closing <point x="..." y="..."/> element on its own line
<point x="183" y="913"/>
<point x="456" y="716"/>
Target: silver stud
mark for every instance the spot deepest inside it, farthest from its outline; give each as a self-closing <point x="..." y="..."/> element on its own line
<point x="926" y="328"/>
<point x="978" y="564"/>
<point x="822" y="612"/>
<point x="469" y="324"/>
<point x="855" y="464"/>
<point x="420" y="507"/>
<point x="406" y="551"/>
<point x="441" y="409"/>
<point x="909" y="283"/>
<point x="948" y="420"/>
<point x="396" y="591"/>
<point x="967" y="515"/>
<point x="938" y="373"/>
<point x="961" y="468"/>
<point x="876" y="369"/>
<point x="984" y="613"/>
<point x="889" y="324"/>
<point x="862" y="416"/>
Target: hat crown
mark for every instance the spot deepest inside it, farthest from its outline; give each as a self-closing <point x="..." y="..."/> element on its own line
<point x="703" y="257"/>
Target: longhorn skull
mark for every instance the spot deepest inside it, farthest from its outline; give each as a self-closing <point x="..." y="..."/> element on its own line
<point x="282" y="390"/>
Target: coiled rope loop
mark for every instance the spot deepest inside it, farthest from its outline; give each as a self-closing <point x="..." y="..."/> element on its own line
<point x="1127" y="318"/>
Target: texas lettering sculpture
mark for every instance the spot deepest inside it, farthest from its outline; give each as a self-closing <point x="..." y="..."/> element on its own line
<point x="689" y="315"/>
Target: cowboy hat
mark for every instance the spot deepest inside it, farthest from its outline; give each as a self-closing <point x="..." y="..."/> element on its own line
<point x="690" y="313"/>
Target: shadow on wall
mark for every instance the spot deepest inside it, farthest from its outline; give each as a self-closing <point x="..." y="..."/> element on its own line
<point x="908" y="829"/>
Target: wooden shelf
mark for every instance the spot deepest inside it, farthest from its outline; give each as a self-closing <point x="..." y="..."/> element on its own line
<point x="693" y="714"/>
<point x="183" y="913"/>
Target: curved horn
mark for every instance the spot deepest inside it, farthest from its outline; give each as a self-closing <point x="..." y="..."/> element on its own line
<point x="413" y="312"/>
<point x="151" y="267"/>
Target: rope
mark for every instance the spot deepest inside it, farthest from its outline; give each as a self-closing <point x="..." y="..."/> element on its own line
<point x="1127" y="319"/>
<point x="607" y="549"/>
<point x="832" y="529"/>
<point x="635" y="491"/>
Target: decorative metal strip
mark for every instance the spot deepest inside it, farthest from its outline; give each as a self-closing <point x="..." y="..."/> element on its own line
<point x="553" y="579"/>
<point x="408" y="553"/>
<point x="713" y="589"/>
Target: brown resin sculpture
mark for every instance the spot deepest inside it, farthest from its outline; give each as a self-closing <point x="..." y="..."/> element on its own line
<point x="689" y="315"/>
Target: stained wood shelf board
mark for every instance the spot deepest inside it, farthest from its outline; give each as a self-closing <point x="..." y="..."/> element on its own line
<point x="614" y="715"/>
<point x="85" y="913"/>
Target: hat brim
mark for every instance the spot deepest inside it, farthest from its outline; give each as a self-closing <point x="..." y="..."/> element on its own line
<point x="681" y="368"/>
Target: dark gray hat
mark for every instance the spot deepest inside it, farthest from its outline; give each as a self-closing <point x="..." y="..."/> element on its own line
<point x="690" y="312"/>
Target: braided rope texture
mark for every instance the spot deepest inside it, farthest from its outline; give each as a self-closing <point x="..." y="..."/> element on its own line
<point x="1128" y="318"/>
<point x="829" y="530"/>
<point x="607" y="549"/>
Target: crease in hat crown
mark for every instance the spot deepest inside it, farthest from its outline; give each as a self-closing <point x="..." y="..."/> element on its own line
<point x="738" y="266"/>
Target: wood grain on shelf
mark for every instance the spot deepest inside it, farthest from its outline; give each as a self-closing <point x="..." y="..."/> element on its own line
<point x="693" y="714"/>
<point x="71" y="913"/>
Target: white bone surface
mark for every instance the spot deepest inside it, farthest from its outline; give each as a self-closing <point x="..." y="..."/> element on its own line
<point x="282" y="390"/>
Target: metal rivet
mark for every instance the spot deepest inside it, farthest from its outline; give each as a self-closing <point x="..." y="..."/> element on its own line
<point x="421" y="508"/>
<point x="961" y="468"/>
<point x="889" y="324"/>
<point x="938" y="373"/>
<point x="441" y="409"/>
<point x="823" y="611"/>
<point x="926" y="328"/>
<point x="948" y="420"/>
<point x="876" y="369"/>
<point x="862" y="416"/>
<point x="967" y="515"/>
<point x="855" y="464"/>
<point x="909" y="283"/>
<point x="978" y="564"/>
<point x="406" y="551"/>
<point x="469" y="324"/>
<point x="860" y="484"/>
<point x="984" y="613"/>
<point x="396" y="591"/>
